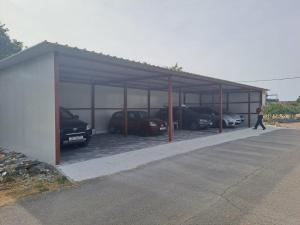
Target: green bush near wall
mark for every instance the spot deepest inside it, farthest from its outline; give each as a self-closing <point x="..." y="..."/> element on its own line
<point x="274" y="110"/>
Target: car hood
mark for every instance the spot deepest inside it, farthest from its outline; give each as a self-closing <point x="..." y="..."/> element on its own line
<point x="205" y="116"/>
<point x="227" y="117"/>
<point x="235" y="116"/>
<point x="72" y="123"/>
<point x="158" y="121"/>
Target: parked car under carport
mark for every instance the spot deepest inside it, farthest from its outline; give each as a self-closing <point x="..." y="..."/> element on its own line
<point x="229" y="119"/>
<point x="72" y="129"/>
<point x="139" y="123"/>
<point x="190" y="120"/>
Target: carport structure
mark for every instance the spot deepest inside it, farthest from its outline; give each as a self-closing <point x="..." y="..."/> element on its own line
<point x="76" y="70"/>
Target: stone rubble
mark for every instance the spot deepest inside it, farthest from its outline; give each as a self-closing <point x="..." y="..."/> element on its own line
<point x="14" y="165"/>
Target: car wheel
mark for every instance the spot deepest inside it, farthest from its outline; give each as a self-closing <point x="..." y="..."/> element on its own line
<point x="84" y="144"/>
<point x="143" y="133"/>
<point x="194" y="126"/>
<point x="112" y="130"/>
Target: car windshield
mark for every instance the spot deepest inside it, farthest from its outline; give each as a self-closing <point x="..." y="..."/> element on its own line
<point x="215" y="112"/>
<point x="65" y="114"/>
<point x="206" y="111"/>
<point x="143" y="115"/>
<point x="192" y="113"/>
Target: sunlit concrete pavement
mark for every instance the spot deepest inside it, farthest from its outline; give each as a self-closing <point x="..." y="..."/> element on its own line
<point x="247" y="181"/>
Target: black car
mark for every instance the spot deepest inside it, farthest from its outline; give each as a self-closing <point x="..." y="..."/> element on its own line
<point x="209" y="113"/>
<point x="138" y="123"/>
<point x="72" y="129"/>
<point x="191" y="120"/>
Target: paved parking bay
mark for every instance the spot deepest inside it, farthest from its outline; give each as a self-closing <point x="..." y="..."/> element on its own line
<point x="254" y="180"/>
<point x="102" y="145"/>
<point x="127" y="160"/>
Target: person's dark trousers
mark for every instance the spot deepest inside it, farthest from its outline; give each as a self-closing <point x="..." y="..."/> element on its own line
<point x="259" y="122"/>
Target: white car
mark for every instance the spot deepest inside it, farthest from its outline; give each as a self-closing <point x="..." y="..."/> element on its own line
<point x="229" y="119"/>
<point x="236" y="117"/>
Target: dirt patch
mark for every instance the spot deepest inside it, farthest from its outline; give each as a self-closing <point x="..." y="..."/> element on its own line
<point x="289" y="125"/>
<point x="21" y="177"/>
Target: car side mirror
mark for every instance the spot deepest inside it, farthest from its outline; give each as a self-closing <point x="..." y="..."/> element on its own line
<point x="76" y="117"/>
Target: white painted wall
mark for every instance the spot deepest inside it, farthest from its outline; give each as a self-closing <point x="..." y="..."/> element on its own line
<point x="109" y="97"/>
<point x="77" y="98"/>
<point x="192" y="99"/>
<point x="243" y="107"/>
<point x="107" y="101"/>
<point x="27" y="108"/>
<point x="74" y="96"/>
<point x="137" y="98"/>
<point x="159" y="99"/>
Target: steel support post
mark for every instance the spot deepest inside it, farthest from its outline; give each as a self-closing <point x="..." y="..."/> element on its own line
<point x="170" y="109"/>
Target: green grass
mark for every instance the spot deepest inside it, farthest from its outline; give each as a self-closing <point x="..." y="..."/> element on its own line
<point x="61" y="180"/>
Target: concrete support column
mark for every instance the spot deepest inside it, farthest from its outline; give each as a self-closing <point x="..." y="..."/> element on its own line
<point x="180" y="108"/>
<point x="170" y="109"/>
<point x="149" y="102"/>
<point x="221" y="110"/>
<point x="249" y="109"/>
<point x="93" y="106"/>
<point x="125" y="114"/>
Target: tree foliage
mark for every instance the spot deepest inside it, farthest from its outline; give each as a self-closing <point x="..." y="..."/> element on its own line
<point x="176" y="67"/>
<point x="8" y="46"/>
<point x="278" y="109"/>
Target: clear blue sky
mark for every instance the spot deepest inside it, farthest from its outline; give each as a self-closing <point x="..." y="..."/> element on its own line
<point x="229" y="39"/>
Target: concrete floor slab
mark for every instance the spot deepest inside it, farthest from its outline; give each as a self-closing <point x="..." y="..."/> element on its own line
<point x="103" y="145"/>
<point x="98" y="167"/>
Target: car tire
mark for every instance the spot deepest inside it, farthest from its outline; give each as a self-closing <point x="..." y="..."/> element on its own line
<point x="143" y="133"/>
<point x="194" y="126"/>
<point x="84" y="144"/>
<point x="112" y="130"/>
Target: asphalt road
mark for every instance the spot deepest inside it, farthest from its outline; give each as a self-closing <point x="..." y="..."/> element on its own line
<point x="249" y="181"/>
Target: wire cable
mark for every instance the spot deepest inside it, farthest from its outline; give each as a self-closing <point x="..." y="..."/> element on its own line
<point x="274" y="79"/>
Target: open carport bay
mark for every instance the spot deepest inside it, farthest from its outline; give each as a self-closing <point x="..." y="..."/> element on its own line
<point x="95" y="104"/>
<point x="103" y="145"/>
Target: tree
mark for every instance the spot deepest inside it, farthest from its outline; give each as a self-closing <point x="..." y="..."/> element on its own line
<point x="298" y="100"/>
<point x="8" y="46"/>
<point x="176" y="67"/>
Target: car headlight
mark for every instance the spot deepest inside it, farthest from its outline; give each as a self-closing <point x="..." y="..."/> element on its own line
<point x="203" y="121"/>
<point x="152" y="124"/>
<point x="88" y="127"/>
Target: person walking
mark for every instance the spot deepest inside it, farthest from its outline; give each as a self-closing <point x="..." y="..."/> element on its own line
<point x="260" y="117"/>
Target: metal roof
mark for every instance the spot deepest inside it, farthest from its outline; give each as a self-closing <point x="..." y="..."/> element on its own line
<point x="80" y="65"/>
